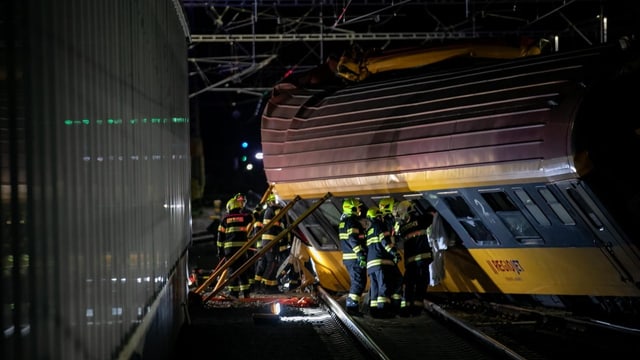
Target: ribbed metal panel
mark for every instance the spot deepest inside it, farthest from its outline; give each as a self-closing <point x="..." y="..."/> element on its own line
<point x="427" y="120"/>
<point x="101" y="152"/>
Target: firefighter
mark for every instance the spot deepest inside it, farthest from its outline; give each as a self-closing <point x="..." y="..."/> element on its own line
<point x="394" y="277"/>
<point x="354" y="252"/>
<point x="256" y="226"/>
<point x="251" y="271"/>
<point x="232" y="235"/>
<point x="382" y="257"/>
<point x="267" y="270"/>
<point x="413" y="228"/>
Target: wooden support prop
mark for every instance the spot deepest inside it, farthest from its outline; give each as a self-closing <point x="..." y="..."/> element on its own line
<point x="271" y="243"/>
<point x="247" y="245"/>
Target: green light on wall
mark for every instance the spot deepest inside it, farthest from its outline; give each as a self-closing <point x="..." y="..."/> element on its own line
<point x="132" y="121"/>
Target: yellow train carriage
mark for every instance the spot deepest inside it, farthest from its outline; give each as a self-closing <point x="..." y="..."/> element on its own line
<point x="526" y="159"/>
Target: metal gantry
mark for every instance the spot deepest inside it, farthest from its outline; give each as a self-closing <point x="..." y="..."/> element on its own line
<point x="235" y="44"/>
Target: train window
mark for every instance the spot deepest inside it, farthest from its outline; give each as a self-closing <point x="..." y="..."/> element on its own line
<point x="557" y="208"/>
<point x="582" y="204"/>
<point x="499" y="201"/>
<point x="459" y="207"/>
<point x="532" y="207"/>
<point x="474" y="227"/>
<point x="520" y="228"/>
<point x="477" y="231"/>
<point x="512" y="217"/>
<point x="331" y="213"/>
<point x="322" y="224"/>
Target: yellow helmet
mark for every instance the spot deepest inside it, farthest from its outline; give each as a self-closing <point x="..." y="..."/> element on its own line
<point x="351" y="206"/>
<point x="386" y="205"/>
<point x="241" y="198"/>
<point x="373" y="212"/>
<point x="271" y="199"/>
<point x="233" y="204"/>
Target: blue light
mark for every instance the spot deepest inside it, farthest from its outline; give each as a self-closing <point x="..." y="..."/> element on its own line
<point x="245" y="144"/>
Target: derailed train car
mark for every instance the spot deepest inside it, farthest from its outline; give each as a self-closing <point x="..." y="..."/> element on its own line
<point x="531" y="161"/>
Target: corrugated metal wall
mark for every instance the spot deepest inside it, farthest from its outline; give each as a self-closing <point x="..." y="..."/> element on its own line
<point x="95" y="178"/>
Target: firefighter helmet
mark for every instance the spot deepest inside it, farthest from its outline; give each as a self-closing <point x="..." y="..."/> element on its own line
<point x="403" y="210"/>
<point x="386" y="205"/>
<point x="233" y="204"/>
<point x="351" y="206"/>
<point x="373" y="212"/>
<point x="271" y="199"/>
<point x="241" y="198"/>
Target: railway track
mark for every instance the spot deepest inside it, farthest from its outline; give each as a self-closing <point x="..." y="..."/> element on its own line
<point x="419" y="337"/>
<point x="547" y="333"/>
<point x="488" y="331"/>
<point x="323" y="330"/>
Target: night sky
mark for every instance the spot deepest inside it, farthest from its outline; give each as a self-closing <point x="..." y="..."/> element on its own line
<point x="225" y="121"/>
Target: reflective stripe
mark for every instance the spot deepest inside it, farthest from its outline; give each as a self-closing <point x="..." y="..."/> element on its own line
<point x="419" y="257"/>
<point x="349" y="256"/>
<point x="379" y="262"/>
<point x="345" y="235"/>
<point x="270" y="282"/>
<point x="232" y="229"/>
<point x="268" y="237"/>
<point x="276" y="223"/>
<point x="231" y="244"/>
<point x="383" y="300"/>
<point x="372" y="241"/>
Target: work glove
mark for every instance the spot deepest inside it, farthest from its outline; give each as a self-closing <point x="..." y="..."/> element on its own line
<point x="362" y="261"/>
<point x="396" y="256"/>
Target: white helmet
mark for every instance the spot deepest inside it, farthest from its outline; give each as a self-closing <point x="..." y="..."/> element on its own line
<point x="402" y="210"/>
